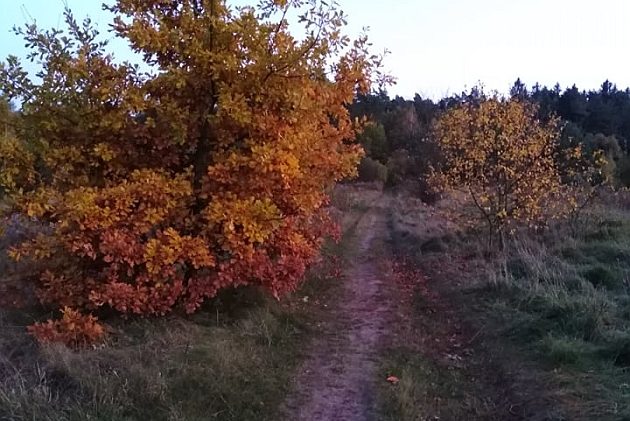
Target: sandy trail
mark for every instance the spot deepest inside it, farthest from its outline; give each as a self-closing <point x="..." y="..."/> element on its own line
<point x="336" y="381"/>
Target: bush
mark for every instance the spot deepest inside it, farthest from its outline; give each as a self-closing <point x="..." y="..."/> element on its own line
<point x="398" y="167"/>
<point x="374" y="141"/>
<point x="503" y="155"/>
<point x="371" y="170"/>
<point x="428" y="193"/>
<point x="73" y="329"/>
<point x="159" y="201"/>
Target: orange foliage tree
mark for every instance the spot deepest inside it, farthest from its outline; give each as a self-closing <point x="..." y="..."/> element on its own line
<point x="205" y="172"/>
<point x="505" y="158"/>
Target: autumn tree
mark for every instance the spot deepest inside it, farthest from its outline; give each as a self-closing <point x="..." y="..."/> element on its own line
<point x="208" y="171"/>
<point x="503" y="156"/>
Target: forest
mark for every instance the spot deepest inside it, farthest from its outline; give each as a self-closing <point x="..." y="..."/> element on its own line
<point x="244" y="225"/>
<point x="401" y="130"/>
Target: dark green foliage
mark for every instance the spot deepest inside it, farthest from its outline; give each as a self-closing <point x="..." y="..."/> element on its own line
<point x="371" y="170"/>
<point x="398" y="167"/>
<point x="519" y="90"/>
<point x="603" y="276"/>
<point x="374" y="142"/>
<point x="399" y="134"/>
<point x="572" y="105"/>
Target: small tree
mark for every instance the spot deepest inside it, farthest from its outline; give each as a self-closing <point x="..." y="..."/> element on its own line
<point x="374" y="142"/>
<point x="503" y="156"/>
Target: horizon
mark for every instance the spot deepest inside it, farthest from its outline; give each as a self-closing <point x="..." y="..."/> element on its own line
<point x="533" y="41"/>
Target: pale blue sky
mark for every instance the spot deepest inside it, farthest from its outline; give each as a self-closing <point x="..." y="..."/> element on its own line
<point x="440" y="47"/>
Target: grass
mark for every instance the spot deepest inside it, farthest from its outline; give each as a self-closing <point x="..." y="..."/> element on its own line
<point x="429" y="390"/>
<point x="564" y="301"/>
<point x="222" y="364"/>
<point x="556" y="304"/>
<point x="439" y="379"/>
<point x="567" y="305"/>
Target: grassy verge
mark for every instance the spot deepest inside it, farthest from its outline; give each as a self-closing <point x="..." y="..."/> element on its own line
<point x="430" y="389"/>
<point x="228" y="363"/>
<point x="542" y="331"/>
<point x="566" y="301"/>
<point x="437" y="377"/>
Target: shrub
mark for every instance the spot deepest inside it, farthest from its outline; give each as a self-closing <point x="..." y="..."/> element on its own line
<point x="374" y="141"/>
<point x="371" y="170"/>
<point x="398" y="167"/>
<point x="503" y="156"/>
<point x="73" y="329"/>
<point x="210" y="173"/>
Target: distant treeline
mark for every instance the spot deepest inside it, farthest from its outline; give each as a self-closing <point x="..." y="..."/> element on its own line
<point x="398" y="142"/>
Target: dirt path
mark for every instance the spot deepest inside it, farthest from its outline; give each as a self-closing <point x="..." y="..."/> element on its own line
<point x="409" y="312"/>
<point x="337" y="379"/>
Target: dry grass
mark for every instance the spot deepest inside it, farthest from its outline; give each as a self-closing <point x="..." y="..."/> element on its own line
<point x="215" y="365"/>
<point x="348" y="201"/>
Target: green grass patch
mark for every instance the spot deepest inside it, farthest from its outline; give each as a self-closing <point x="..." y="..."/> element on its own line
<point x="561" y="302"/>
<point x="608" y="277"/>
<point x="565" y="350"/>
<point x="568" y="306"/>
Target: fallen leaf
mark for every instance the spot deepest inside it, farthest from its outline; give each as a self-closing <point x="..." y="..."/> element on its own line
<point x="393" y="379"/>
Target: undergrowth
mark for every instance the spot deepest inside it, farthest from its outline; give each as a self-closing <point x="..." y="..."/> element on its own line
<point x="227" y="364"/>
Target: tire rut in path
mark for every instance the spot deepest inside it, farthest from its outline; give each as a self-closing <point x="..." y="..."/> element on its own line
<point x="337" y="378"/>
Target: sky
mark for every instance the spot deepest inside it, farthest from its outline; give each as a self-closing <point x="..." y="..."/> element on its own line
<point x="442" y="47"/>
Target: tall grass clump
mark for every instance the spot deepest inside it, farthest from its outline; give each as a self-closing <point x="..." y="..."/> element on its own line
<point x="568" y="295"/>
